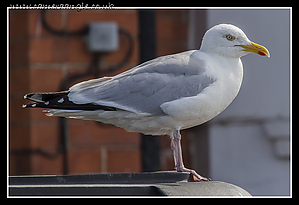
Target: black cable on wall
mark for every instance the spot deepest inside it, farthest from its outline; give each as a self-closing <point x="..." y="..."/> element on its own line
<point x="150" y="145"/>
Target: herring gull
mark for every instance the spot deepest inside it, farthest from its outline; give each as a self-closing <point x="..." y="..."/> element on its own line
<point x="163" y="95"/>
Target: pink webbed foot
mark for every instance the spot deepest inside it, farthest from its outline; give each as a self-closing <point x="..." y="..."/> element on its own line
<point x="194" y="177"/>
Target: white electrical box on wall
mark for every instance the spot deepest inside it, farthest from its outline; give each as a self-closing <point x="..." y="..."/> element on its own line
<point x="102" y="37"/>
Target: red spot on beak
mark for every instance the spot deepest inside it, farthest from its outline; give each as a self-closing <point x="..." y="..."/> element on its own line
<point x="261" y="53"/>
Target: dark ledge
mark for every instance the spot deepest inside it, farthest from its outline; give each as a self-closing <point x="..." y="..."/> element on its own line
<point x="168" y="183"/>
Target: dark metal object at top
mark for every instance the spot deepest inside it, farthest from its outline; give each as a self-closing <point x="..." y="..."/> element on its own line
<point x="128" y="184"/>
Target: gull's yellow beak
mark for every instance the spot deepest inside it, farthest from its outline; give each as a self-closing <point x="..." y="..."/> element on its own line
<point x="256" y="48"/>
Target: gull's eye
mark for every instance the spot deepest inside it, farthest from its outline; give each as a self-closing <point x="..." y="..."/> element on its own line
<point x="230" y="37"/>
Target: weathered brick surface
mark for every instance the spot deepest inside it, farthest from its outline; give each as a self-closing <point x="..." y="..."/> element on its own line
<point x="126" y="159"/>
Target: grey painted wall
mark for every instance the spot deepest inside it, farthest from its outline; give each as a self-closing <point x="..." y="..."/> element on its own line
<point x="249" y="142"/>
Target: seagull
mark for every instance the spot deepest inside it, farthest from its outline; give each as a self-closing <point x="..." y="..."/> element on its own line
<point x="164" y="95"/>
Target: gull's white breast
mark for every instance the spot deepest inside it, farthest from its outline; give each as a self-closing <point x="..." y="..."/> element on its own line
<point x="199" y="109"/>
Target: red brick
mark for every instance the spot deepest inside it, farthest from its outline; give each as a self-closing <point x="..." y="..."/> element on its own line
<point x="18" y="23"/>
<point x="119" y="55"/>
<point x="127" y="19"/>
<point x="42" y="165"/>
<point x="37" y="115"/>
<point x="77" y="70"/>
<point x="18" y="52"/>
<point x="45" y="79"/>
<point x="71" y="49"/>
<point x="172" y="27"/>
<point x="185" y="148"/>
<point x="19" y="136"/>
<point x="19" y="80"/>
<point x="61" y="50"/>
<point x="45" y="135"/>
<point x="78" y="51"/>
<point x="166" y="160"/>
<point x="171" y="31"/>
<point x="16" y="112"/>
<point x="123" y="160"/>
<point x="164" y="142"/>
<point x="57" y="50"/>
<point x="19" y="165"/>
<point x="167" y="29"/>
<point x="18" y="41"/>
<point x="84" y="161"/>
<point x="53" y="18"/>
<point x="41" y="50"/>
<point x="168" y="48"/>
<point x="88" y="133"/>
<point x="166" y="157"/>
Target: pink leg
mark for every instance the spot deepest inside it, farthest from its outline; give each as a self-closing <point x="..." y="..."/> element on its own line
<point x="178" y="158"/>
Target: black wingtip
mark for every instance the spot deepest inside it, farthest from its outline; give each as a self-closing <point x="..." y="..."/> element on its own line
<point x="45" y="96"/>
<point x="60" y="100"/>
<point x="37" y="97"/>
<point x="26" y="96"/>
<point x="29" y="95"/>
<point x="31" y="105"/>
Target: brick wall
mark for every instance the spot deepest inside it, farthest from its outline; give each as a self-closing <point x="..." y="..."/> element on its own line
<point x="40" y="60"/>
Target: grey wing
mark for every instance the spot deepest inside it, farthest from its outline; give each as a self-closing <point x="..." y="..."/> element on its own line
<point x="144" y="88"/>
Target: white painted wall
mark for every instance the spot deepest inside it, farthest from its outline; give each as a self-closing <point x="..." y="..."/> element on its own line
<point x="249" y="141"/>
